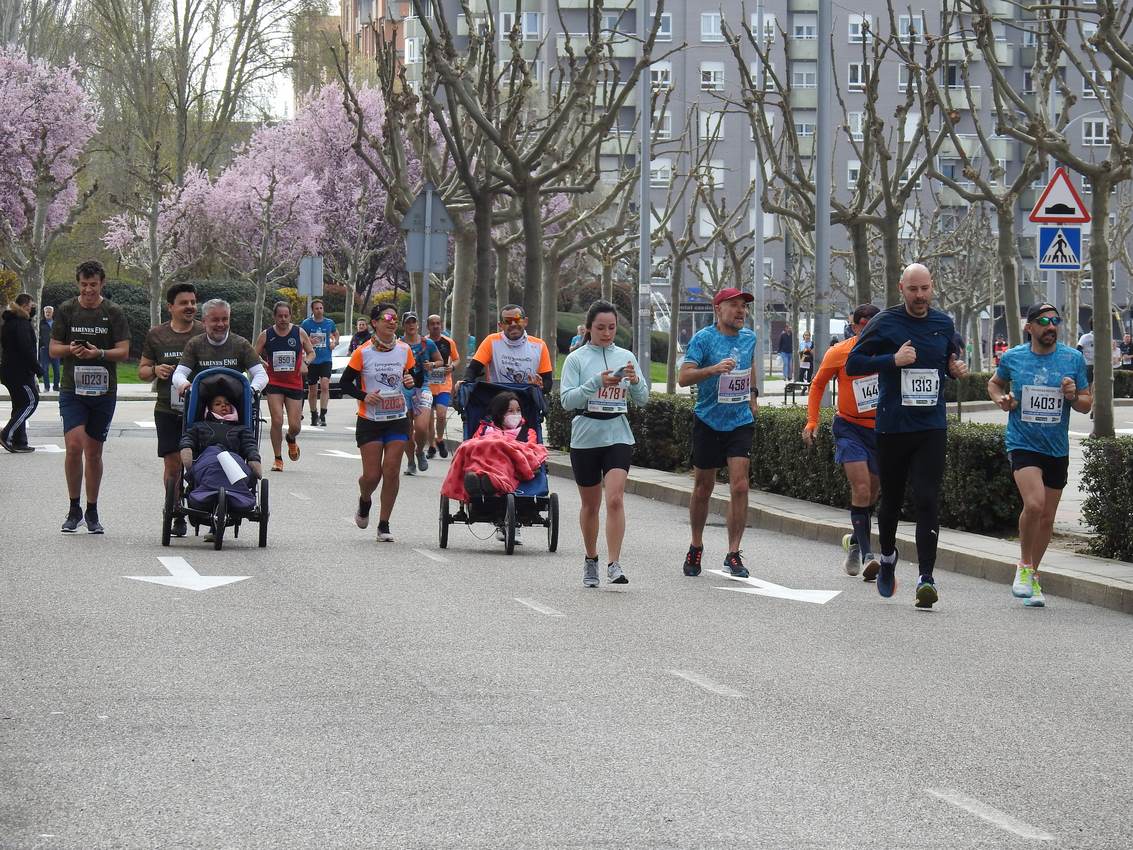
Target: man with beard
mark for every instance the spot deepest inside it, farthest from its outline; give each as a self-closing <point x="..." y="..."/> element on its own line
<point x="511" y="356"/>
<point x="1038" y="383"/>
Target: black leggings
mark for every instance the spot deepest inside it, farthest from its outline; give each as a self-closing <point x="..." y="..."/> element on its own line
<point x="917" y="456"/>
<point x="25" y="399"/>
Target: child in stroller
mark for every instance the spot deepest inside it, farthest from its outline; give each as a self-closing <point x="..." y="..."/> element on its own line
<point x="502" y="452"/>
<point x="220" y="432"/>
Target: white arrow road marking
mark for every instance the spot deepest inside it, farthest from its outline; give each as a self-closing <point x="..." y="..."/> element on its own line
<point x="182" y="574"/>
<point x="991" y="814"/>
<point x="49" y="448"/>
<point x="339" y="453"/>
<point x="301" y="497"/>
<point x="141" y="424"/>
<point x="706" y="683"/>
<point x="759" y="587"/>
<point x="432" y="556"/>
<point x="540" y="607"/>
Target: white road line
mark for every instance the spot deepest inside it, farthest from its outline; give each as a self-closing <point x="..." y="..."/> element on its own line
<point x="49" y="448"/>
<point x="540" y="607"/>
<point x="141" y="424"/>
<point x="706" y="683"/>
<point x="300" y="496"/>
<point x="432" y="556"/>
<point x="990" y="814"/>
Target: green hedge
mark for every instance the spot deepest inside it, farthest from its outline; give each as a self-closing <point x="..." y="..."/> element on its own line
<point x="978" y="492"/>
<point x="971" y="387"/>
<point x="1107" y="478"/>
<point x="1123" y="383"/>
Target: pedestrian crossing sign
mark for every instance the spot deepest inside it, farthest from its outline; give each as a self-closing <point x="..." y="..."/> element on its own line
<point x="1060" y="247"/>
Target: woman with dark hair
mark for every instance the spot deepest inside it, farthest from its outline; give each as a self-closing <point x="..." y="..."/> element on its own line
<point x="19" y="371"/>
<point x="598" y="380"/>
<point x="502" y="452"/>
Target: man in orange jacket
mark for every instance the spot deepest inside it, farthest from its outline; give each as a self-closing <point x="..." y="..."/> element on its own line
<point x="854" y="442"/>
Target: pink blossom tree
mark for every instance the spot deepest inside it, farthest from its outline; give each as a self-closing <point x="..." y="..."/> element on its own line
<point x="167" y="240"/>
<point x="356" y="232"/>
<point x="46" y="122"/>
<point x="266" y="212"/>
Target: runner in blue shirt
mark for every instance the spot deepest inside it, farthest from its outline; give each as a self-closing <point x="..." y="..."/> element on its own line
<point x="323" y="333"/>
<point x="418" y="398"/>
<point x="912" y="348"/>
<point x="1038" y="383"/>
<point x="720" y="360"/>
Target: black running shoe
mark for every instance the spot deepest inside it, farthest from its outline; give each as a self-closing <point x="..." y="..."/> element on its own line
<point x="692" y="560"/>
<point x="362" y="516"/>
<point x="71" y="523"/>
<point x="431" y="453"/>
<point x="442" y="449"/>
<point x="180" y="527"/>
<point x="734" y="564"/>
<point x="323" y="420"/>
<point x="93" y="525"/>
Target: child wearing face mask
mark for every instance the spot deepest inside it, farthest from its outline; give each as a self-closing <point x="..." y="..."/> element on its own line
<point x="220" y="427"/>
<point x="502" y="452"/>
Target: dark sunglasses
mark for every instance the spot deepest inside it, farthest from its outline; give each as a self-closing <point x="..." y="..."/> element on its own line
<point x="1043" y="321"/>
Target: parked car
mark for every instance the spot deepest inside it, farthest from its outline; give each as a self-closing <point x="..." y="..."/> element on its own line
<point x="339" y="358"/>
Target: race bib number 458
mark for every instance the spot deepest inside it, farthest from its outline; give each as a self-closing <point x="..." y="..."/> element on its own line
<point x="734" y="387"/>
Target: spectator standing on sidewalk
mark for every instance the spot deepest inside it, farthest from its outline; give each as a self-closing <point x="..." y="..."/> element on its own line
<point x="786" y="350"/>
<point x="18" y="371"/>
<point x="50" y="367"/>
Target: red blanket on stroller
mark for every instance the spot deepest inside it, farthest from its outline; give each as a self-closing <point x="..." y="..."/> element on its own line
<point x="505" y="460"/>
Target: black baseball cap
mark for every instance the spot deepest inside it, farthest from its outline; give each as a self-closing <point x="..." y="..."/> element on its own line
<point x="409" y="316"/>
<point x="1040" y="308"/>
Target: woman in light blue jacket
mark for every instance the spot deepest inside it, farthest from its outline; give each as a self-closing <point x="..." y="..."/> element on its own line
<point x="598" y="381"/>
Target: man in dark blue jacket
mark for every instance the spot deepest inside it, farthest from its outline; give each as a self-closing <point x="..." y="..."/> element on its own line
<point x="912" y="348"/>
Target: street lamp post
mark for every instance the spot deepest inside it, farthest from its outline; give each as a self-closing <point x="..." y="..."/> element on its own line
<point x="824" y="149"/>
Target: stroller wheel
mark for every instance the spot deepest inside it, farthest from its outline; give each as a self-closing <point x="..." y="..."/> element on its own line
<point x="509" y="525"/>
<point x="220" y="517"/>
<point x="553" y="523"/>
<point x="167" y="513"/>
<point x="443" y="522"/>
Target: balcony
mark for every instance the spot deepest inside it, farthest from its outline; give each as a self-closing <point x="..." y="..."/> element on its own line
<point x="1000" y="9"/>
<point x="803" y="5"/>
<point x="623" y="48"/>
<point x="586" y="4"/>
<point x="619" y="143"/>
<point x="804" y="98"/>
<point x="1004" y="53"/>
<point x="807" y="145"/>
<point x="949" y="197"/>
<point x="961" y="98"/>
<point x="1001" y="148"/>
<point x="803" y="49"/>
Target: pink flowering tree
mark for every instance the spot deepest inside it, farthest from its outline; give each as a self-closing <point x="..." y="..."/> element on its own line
<point x="46" y="122"/>
<point x="168" y="240"/>
<point x="357" y="238"/>
<point x="266" y="212"/>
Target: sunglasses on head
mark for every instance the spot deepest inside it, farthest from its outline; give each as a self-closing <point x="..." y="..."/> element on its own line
<point x="512" y="320"/>
<point x="1043" y="321"/>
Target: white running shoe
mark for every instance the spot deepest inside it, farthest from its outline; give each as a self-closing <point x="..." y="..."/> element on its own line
<point x="384" y="534"/>
<point x="590" y="572"/>
<point x="1036" y="599"/>
<point x="1022" y="586"/>
<point x="853" y="563"/>
<point x="615" y="575"/>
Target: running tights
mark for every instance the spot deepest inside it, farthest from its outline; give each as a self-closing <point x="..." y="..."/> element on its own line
<point x="917" y="458"/>
<point x="25" y="399"/>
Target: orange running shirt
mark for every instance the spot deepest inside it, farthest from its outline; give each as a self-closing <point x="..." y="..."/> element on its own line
<point x="857" y="396"/>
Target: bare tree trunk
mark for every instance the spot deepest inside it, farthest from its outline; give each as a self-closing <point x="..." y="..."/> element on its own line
<point x="1103" y="308"/>
<point x="675" y="282"/>
<point x="859" y="241"/>
<point x="1073" y="286"/>
<point x="977" y="341"/>
<point x="463" y="282"/>
<point x="503" y="270"/>
<point x="1006" y="247"/>
<point x="482" y="219"/>
<point x="794" y="372"/>
<point x="348" y="307"/>
<point x="155" y="294"/>
<point x="538" y="305"/>
<point x="607" y="281"/>
<point x="552" y="264"/>
<point x="891" y="245"/>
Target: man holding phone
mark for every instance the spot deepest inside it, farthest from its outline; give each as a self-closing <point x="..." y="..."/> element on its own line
<point x="91" y="335"/>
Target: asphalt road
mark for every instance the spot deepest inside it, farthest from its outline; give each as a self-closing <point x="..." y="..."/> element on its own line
<point x="356" y="694"/>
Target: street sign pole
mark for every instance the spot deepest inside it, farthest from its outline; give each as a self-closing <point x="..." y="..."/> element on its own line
<point x="426" y="274"/>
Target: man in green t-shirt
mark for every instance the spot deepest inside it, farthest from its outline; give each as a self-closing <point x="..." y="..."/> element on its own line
<point x="218" y="346"/>
<point x="91" y="335"/>
<point x="161" y="352"/>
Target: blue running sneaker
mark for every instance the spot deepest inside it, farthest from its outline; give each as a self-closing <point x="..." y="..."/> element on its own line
<point x="887" y="576"/>
<point x="926" y="593"/>
<point x="735" y="566"/>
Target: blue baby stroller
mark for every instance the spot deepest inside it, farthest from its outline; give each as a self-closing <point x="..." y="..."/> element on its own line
<point x="221" y="506"/>
<point x="532" y="503"/>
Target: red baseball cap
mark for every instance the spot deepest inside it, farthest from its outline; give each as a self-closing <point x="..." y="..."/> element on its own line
<point x="730" y="293"/>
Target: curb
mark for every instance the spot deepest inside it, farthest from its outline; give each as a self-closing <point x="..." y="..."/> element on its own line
<point x="1083" y="578"/>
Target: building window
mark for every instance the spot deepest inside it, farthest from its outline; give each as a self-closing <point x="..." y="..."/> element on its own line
<point x="711" y="76"/>
<point x="912" y="124"/>
<point x="665" y="30"/>
<point x="804" y="75"/>
<point x="903" y="75"/>
<point x="805" y="27"/>
<point x="953" y="77"/>
<point x="1087" y="187"/>
<point x="860" y="25"/>
<point x="1028" y="81"/>
<point x="663" y="125"/>
<point x="531" y="29"/>
<point x="952" y="168"/>
<point x="411" y="57"/>
<point x="912" y="170"/>
<point x="1002" y="165"/>
<point x="711" y="126"/>
<point x="610" y="23"/>
<point x="769" y="27"/>
<point x="768" y="82"/>
<point x="1095" y="133"/>
<point x="856" y="76"/>
<point x="910" y="27"/>
<point x="707" y="226"/>
<point x="661" y="173"/>
<point x="857" y="125"/>
<point x="1095" y="80"/>
<point x="1030" y="38"/>
<point x="804" y="128"/>
<point x="853" y="172"/>
<point x="710" y="27"/>
<point x="661" y="75"/>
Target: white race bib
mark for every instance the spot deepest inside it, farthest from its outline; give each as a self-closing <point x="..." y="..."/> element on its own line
<point x="866" y="393"/>
<point x="608" y="400"/>
<point x="319" y="340"/>
<point x="920" y="387"/>
<point x="92" y="380"/>
<point x="1041" y="405"/>
<point x="390" y="406"/>
<point x="437" y="375"/>
<point x="283" y="361"/>
<point x="734" y="387"/>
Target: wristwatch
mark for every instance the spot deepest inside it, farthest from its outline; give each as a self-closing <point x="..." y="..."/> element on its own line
<point x="755" y="391"/>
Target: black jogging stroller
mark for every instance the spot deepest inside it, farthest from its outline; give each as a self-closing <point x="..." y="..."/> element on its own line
<point x="531" y="503"/>
<point x="221" y="508"/>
